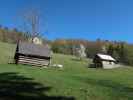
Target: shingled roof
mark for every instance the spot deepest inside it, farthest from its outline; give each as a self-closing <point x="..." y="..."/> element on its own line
<point x="33" y="49"/>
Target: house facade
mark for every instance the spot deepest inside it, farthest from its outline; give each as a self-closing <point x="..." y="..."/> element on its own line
<point x="104" y="61"/>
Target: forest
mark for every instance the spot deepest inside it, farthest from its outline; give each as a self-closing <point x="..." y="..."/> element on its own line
<point x="120" y="50"/>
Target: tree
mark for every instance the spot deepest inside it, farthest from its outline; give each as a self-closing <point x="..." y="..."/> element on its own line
<point x="80" y="52"/>
<point x="110" y="49"/>
<point x="32" y="21"/>
<point x="4" y="35"/>
<point x="93" y="48"/>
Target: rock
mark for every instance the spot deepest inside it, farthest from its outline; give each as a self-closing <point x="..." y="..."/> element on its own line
<point x="57" y="65"/>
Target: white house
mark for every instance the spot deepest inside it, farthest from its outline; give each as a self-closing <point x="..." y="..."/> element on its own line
<point x="104" y="61"/>
<point x="37" y="40"/>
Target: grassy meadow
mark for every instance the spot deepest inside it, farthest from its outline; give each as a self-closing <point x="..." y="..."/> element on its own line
<point x="74" y="82"/>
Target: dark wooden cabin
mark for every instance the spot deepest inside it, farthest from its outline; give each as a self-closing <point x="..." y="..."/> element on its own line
<point x="32" y="54"/>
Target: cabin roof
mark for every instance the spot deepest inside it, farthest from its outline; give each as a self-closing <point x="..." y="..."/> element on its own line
<point x="105" y="57"/>
<point x="33" y="49"/>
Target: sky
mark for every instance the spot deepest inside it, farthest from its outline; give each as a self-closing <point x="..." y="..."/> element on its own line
<point x="75" y="19"/>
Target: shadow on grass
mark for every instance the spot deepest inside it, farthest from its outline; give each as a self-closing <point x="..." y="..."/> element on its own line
<point x="118" y="91"/>
<point x="91" y="66"/>
<point x="17" y="87"/>
<point x="76" y="59"/>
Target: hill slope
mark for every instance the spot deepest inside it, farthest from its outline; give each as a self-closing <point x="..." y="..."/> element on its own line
<point x="6" y="52"/>
<point x="74" y="81"/>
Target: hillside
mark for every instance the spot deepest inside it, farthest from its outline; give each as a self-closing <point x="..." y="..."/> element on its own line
<point x="74" y="82"/>
<point x="6" y="52"/>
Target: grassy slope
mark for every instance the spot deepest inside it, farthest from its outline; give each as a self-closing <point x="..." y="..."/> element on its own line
<point x="6" y="52"/>
<point x="75" y="79"/>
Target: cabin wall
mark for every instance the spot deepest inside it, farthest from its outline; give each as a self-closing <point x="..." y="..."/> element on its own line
<point x="33" y="61"/>
<point x="97" y="62"/>
<point x="108" y="64"/>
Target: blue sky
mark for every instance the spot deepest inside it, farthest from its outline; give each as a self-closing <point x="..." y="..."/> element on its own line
<point x="80" y="19"/>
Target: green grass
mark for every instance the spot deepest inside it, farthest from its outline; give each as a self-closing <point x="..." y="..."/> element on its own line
<point x="74" y="81"/>
<point x="6" y="52"/>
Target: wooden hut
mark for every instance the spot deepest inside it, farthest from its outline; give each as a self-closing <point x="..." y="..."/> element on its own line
<point x="32" y="54"/>
<point x="104" y="61"/>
